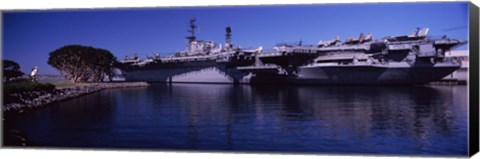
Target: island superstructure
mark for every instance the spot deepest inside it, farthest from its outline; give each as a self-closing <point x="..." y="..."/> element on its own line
<point x="410" y="59"/>
<point x="202" y="62"/>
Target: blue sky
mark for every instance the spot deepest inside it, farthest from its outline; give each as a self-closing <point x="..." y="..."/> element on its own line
<point x="29" y="36"/>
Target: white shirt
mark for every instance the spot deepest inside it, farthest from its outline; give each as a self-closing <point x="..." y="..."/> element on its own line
<point x="34" y="71"/>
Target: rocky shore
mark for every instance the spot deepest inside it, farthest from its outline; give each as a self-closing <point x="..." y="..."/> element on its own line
<point x="19" y="102"/>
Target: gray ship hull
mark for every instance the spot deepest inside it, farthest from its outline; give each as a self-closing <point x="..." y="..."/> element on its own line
<point x="397" y="73"/>
<point x="370" y="74"/>
<point x="210" y="74"/>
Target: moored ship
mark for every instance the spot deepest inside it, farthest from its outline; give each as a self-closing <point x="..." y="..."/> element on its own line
<point x="409" y="59"/>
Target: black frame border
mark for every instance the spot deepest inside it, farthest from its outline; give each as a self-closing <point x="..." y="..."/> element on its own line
<point x="473" y="80"/>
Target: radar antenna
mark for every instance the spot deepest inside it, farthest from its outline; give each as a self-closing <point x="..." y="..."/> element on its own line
<point x="228" y="36"/>
<point x="192" y="30"/>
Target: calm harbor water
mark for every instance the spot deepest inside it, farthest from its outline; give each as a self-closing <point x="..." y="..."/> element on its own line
<point x="410" y="120"/>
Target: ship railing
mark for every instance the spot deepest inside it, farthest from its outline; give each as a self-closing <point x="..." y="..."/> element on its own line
<point x="144" y="62"/>
<point x="427" y="39"/>
<point x="344" y="47"/>
<point x="304" y="50"/>
<point x="449" y="41"/>
<point x="269" y="51"/>
<point x="400" y="46"/>
<point x="288" y="51"/>
<point x="266" y="66"/>
<point x="130" y="61"/>
<point x="198" y="58"/>
<point x="186" y="59"/>
<point x="248" y="48"/>
<point x="453" y="60"/>
<point x="314" y="49"/>
<point x="273" y="53"/>
<point x="437" y="37"/>
<point x="411" y="42"/>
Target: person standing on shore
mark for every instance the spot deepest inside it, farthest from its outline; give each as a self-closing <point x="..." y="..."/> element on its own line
<point x="34" y="74"/>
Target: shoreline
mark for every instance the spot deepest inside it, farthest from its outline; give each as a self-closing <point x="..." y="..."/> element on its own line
<point x="31" y="100"/>
<point x="36" y="99"/>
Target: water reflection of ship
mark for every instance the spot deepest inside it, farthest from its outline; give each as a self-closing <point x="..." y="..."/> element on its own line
<point x="380" y="103"/>
<point x="359" y="113"/>
<point x="334" y="112"/>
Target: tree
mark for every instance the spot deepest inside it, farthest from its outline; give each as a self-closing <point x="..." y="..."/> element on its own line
<point x="82" y="63"/>
<point x="11" y="70"/>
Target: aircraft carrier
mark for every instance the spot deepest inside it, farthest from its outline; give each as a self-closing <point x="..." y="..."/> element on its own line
<point x="409" y="59"/>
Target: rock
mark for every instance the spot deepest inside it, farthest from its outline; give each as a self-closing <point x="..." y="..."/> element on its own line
<point x="40" y="98"/>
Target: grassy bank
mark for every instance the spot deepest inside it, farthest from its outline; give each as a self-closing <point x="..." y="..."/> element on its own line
<point x="20" y="96"/>
<point x="61" y="84"/>
<point x="26" y="86"/>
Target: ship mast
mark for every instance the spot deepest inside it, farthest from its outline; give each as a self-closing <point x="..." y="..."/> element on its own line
<point x="191" y="30"/>
<point x="228" y="38"/>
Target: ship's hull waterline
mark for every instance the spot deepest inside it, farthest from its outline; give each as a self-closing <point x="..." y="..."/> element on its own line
<point x="373" y="74"/>
<point x="335" y="74"/>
